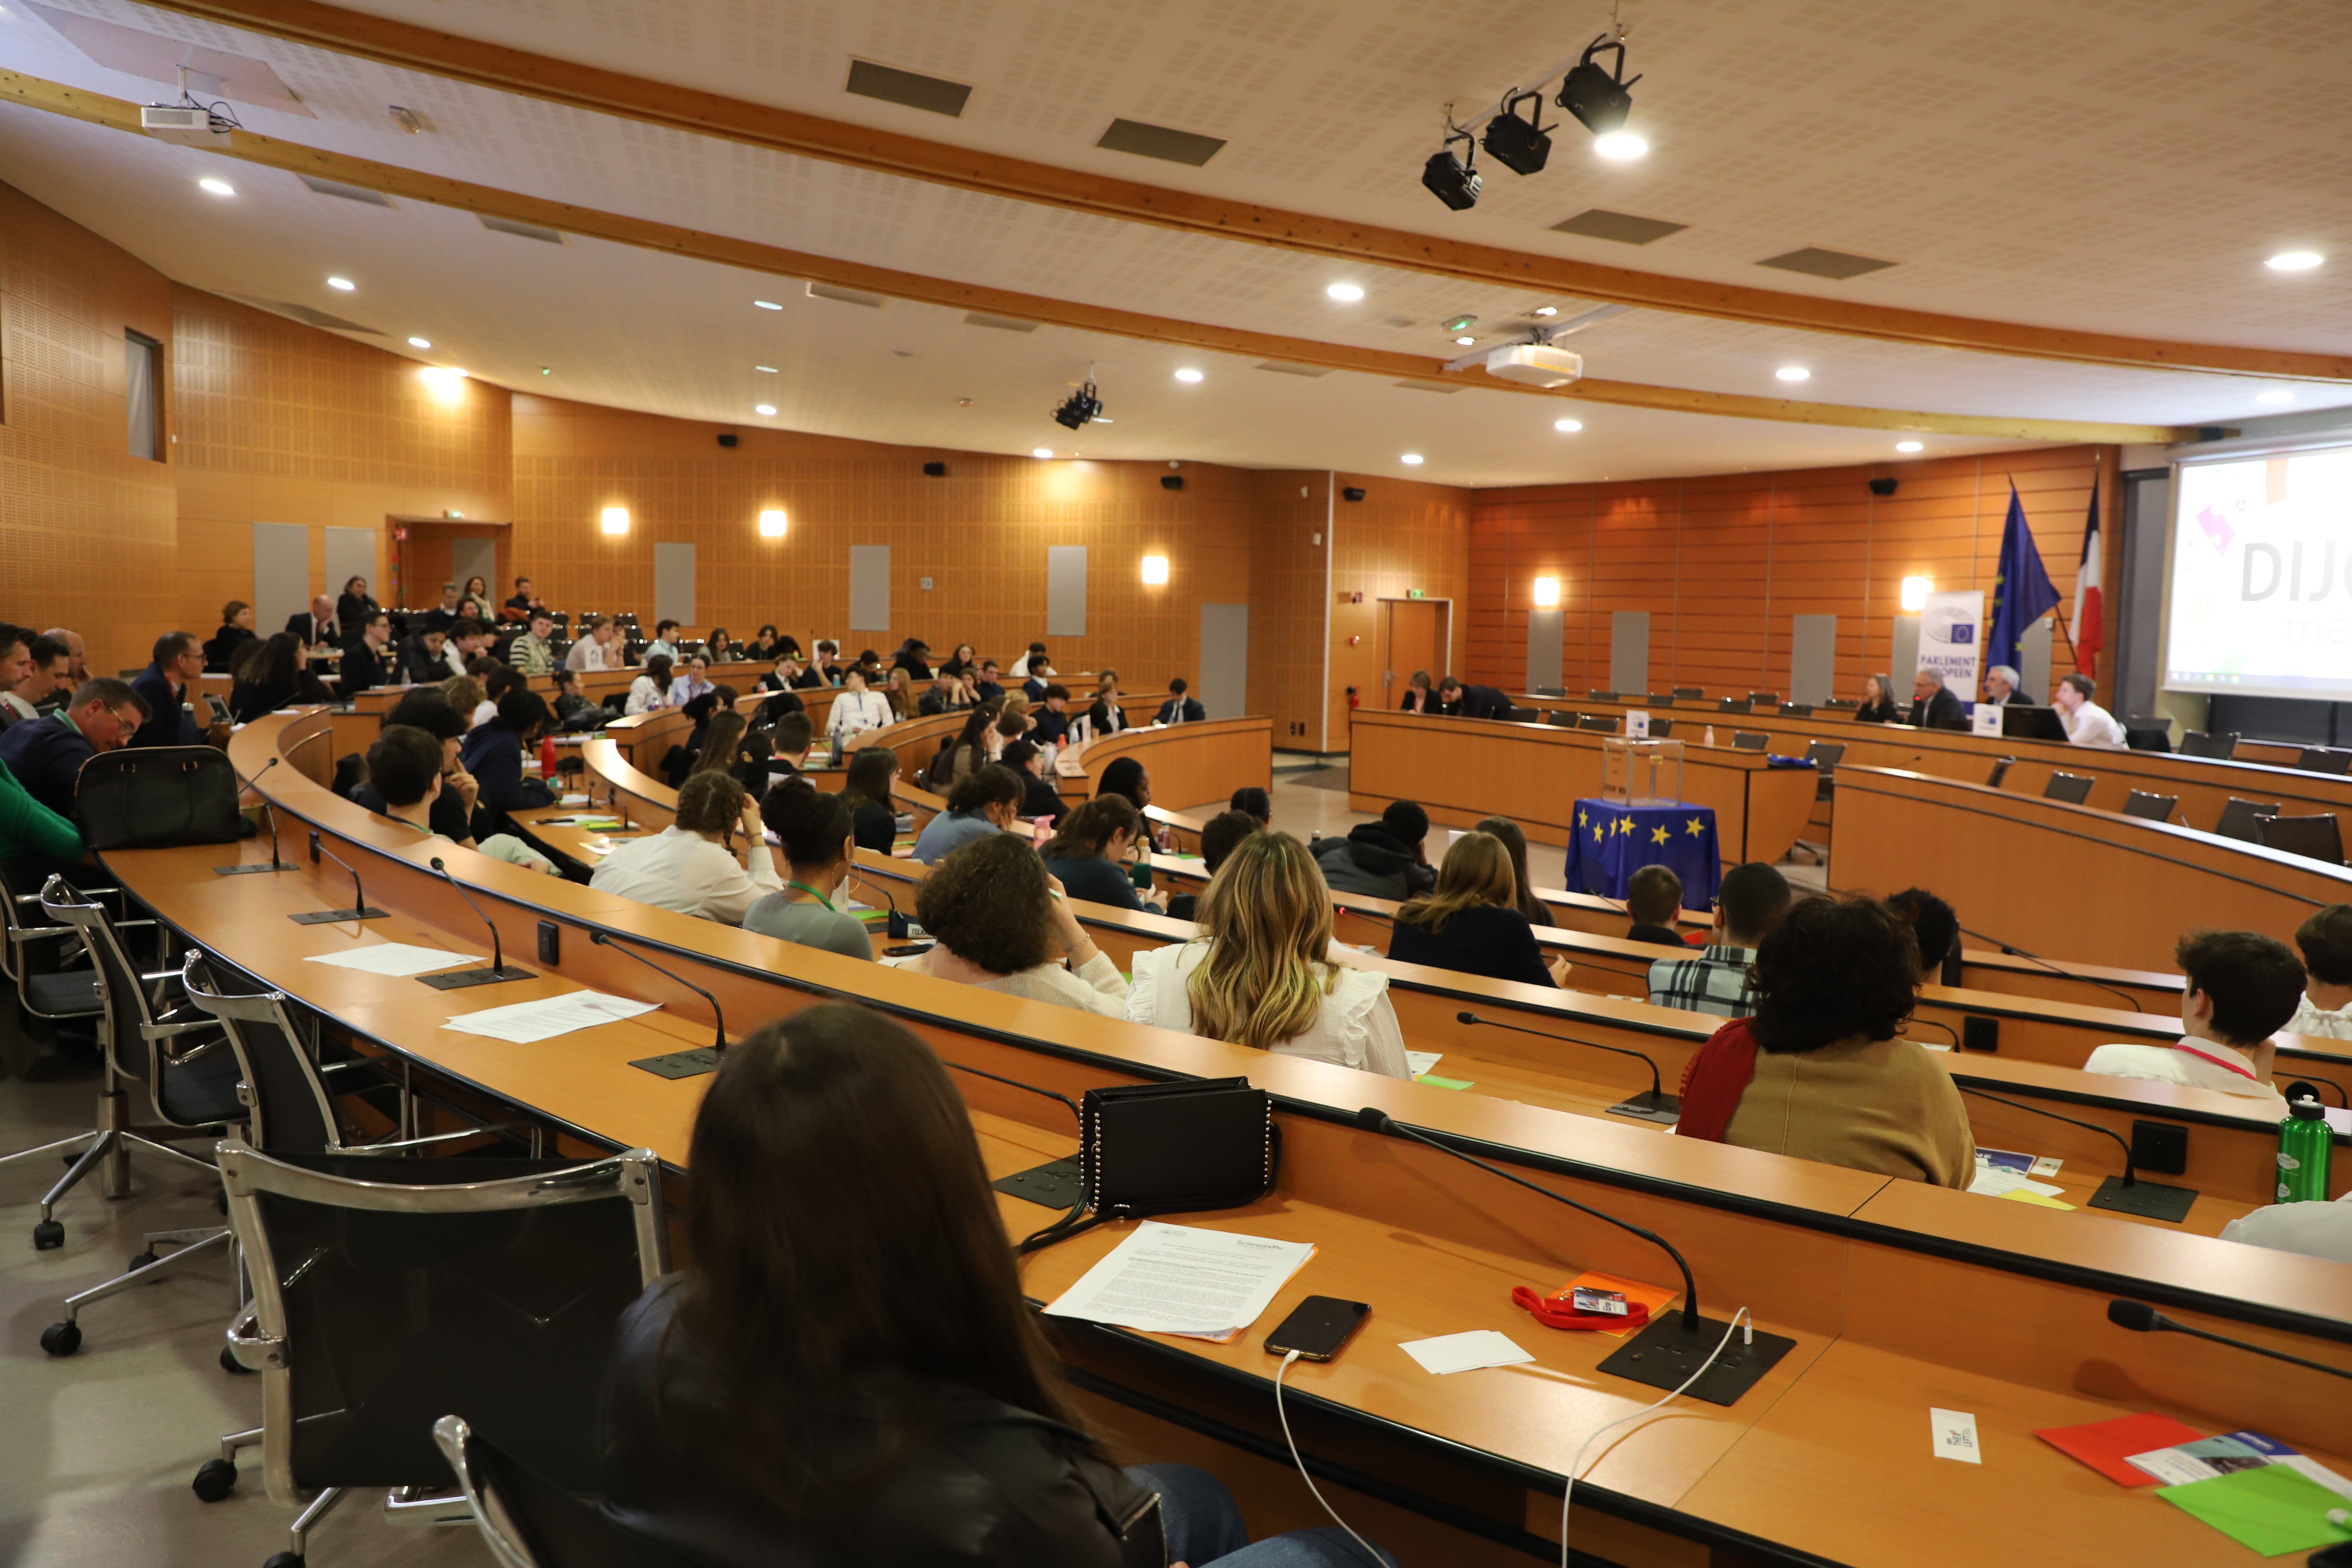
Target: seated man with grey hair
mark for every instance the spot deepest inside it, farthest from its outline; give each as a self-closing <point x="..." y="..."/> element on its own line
<point x="1932" y="706"/>
<point x="2002" y="684"/>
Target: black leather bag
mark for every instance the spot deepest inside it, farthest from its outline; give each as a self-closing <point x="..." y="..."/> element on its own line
<point x="153" y="797"/>
<point x="1170" y="1148"/>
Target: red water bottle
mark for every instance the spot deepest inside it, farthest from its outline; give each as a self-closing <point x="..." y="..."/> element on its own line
<point x="547" y="756"/>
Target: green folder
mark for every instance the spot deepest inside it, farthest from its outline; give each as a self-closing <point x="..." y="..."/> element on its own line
<point x="1436" y="1082"/>
<point x="2274" y="1508"/>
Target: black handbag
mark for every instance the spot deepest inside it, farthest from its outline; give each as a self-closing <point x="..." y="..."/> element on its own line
<point x="1170" y="1147"/>
<point x="153" y="797"/>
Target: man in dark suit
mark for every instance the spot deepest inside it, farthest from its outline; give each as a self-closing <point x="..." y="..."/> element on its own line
<point x="1179" y="709"/>
<point x="1933" y="707"/>
<point x="365" y="664"/>
<point x="1472" y="701"/>
<point x="163" y="686"/>
<point x="420" y="657"/>
<point x="2001" y="686"/>
<point x="47" y="755"/>
<point x="316" y="627"/>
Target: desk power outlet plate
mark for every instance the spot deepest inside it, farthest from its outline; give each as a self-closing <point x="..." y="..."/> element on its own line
<point x="1980" y="1033"/>
<point x="551" y="942"/>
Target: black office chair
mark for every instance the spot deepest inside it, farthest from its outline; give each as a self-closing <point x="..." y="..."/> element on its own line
<point x="2238" y="818"/>
<point x="2313" y="838"/>
<point x="1690" y="693"/>
<point x="2072" y="788"/>
<point x="1662" y="729"/>
<point x="2197" y="744"/>
<point x="1750" y="740"/>
<point x="2149" y="734"/>
<point x="2000" y="772"/>
<point x="1824" y="755"/>
<point x="1769" y="698"/>
<point x="1796" y="709"/>
<point x="388" y="1292"/>
<point x="1661" y="699"/>
<point x="2150" y="807"/>
<point x="54" y="1000"/>
<point x="1597" y="722"/>
<point x="1841" y="704"/>
<point x="1521" y="716"/>
<point x="1548" y="691"/>
<point x="1597" y="695"/>
<point x="528" y="1521"/>
<point x="2322" y="760"/>
<point x="1737" y="705"/>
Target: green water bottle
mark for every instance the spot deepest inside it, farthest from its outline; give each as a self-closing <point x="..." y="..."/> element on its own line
<point x="2303" y="1153"/>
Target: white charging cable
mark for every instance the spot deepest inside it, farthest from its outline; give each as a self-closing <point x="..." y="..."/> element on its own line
<point x="1372" y="1553"/>
<point x="1735" y="1326"/>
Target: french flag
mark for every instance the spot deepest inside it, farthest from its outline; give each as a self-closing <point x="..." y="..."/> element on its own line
<point x="2085" y="629"/>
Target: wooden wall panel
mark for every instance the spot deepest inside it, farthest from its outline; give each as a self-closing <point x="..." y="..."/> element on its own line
<point x="1402" y="536"/>
<point x="1290" y="555"/>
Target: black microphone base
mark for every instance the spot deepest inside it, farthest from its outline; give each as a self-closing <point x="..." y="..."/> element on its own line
<point x="1663" y="1356"/>
<point x="2146" y="1199"/>
<point x="680" y="1064"/>
<point x="460" y="979"/>
<point x="333" y="917"/>
<point x="1053" y="1185"/>
<point x="1650" y="1106"/>
<point x="254" y="870"/>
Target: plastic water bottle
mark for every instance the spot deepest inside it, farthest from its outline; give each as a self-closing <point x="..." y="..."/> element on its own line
<point x="1710" y="735"/>
<point x="2303" y="1153"/>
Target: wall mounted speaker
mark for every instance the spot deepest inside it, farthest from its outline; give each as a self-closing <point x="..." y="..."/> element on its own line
<point x="1882" y="487"/>
<point x="1352" y="493"/>
<point x="728" y="439"/>
<point x="1171" y="481"/>
<point x="936" y="471"/>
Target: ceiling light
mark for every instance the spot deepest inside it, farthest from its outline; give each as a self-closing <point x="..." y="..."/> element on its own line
<point x="420" y="343"/>
<point x="767" y="304"/>
<point x="616" y="520"/>
<point x="345" y="284"/>
<point x="767" y="369"/>
<point x="1601" y="100"/>
<point x="772" y="524"/>
<point x="1544" y="310"/>
<point x="1411" y="459"/>
<point x="1547" y="592"/>
<point x="1347" y="293"/>
<point x="1085" y="403"/>
<point x="1620" y="145"/>
<point x="1568" y="427"/>
<point x="217" y="187"/>
<point x="2275" y="396"/>
<point x="1188" y="375"/>
<point x="1793" y="372"/>
<point x="764" y="410"/>
<point x="1451" y="179"/>
<point x="1915" y="593"/>
<point x="1910" y="446"/>
<point x="446" y="383"/>
<point x="1155" y="569"/>
<point x="1041" y="451"/>
<point x="1519" y="145"/>
<point x="1466" y="342"/>
<point x="2293" y="261"/>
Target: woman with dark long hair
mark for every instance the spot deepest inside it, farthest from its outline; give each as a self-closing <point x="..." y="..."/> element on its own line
<point x="270" y="675"/>
<point x="1091" y="850"/>
<point x="1515" y="841"/>
<point x="354" y="608"/>
<point x="1468" y="924"/>
<point x="866" y="791"/>
<point x="656" y="687"/>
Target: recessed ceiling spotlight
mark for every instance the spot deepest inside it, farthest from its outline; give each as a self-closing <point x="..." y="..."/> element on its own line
<point x="2293" y="261"/>
<point x="420" y="343"/>
<point x="1620" y="147"/>
<point x="1465" y="340"/>
<point x="1544" y="310"/>
<point x="345" y="284"/>
<point x="765" y="410"/>
<point x="2280" y="396"/>
<point x="1411" y="459"/>
<point x="1188" y="374"/>
<point x="217" y="187"/>
<point x="1793" y="372"/>
<point x="1041" y="451"/>
<point x="1347" y="293"/>
<point x="765" y="368"/>
<point x="767" y="304"/>
<point x="1568" y="427"/>
<point x="1910" y="446"/>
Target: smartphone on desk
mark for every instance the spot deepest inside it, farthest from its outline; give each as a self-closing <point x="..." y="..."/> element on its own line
<point x="1318" y="1328"/>
<point x="908" y="950"/>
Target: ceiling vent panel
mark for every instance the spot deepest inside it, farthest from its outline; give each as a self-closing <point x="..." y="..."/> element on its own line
<point x="1002" y="323"/>
<point x="1815" y="262"/>
<point x="1425" y="386"/>
<point x="306" y="315"/>
<point x="891" y="85"/>
<point x="1159" y="142"/>
<point x="521" y="230"/>
<point x="1281" y="369"/>
<point x="348" y="192"/>
<point x="846" y="296"/>
<point x="1599" y="223"/>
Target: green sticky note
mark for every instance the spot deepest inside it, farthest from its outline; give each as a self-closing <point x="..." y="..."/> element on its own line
<point x="2274" y="1510"/>
<point x="1435" y="1082"/>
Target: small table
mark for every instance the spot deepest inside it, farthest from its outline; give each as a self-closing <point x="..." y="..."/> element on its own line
<point x="1612" y="839"/>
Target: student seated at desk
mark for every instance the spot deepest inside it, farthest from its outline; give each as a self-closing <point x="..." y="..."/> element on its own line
<point x="1261" y="974"/>
<point x="427" y="709"/>
<point x="1876" y="707"/>
<point x="2086" y="723"/>
<point x="1384" y="859"/>
<point x="865" y="790"/>
<point x="691" y="866"/>
<point x="2316" y="1230"/>
<point x="270" y="675"/>
<point x="1128" y="777"/>
<point x="493" y="754"/>
<point x="657" y="689"/>
<point x="1934" y="926"/>
<point x="987" y="801"/>
<point x="1091" y="852"/>
<point x="1253" y="803"/>
<point x="814" y="830"/>
<point x="1219" y="837"/>
<point x="2327" y="942"/>
<point x="1000" y="921"/>
<point x="1654" y="897"/>
<point x="409" y="782"/>
<point x="1469" y="924"/>
<point x="2243" y="988"/>
<point x="1750" y="902"/>
<point x="915" y="1414"/>
<point x="1040" y="798"/>
<point x="1819" y="1071"/>
<point x="1516" y="842"/>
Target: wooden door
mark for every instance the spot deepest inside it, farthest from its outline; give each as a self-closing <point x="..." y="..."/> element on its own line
<point x="1413" y="637"/>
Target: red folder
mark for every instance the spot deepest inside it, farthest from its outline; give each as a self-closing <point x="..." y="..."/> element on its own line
<point x="2104" y="1445"/>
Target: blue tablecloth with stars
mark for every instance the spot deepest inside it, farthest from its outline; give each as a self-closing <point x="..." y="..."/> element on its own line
<point x="1612" y="840"/>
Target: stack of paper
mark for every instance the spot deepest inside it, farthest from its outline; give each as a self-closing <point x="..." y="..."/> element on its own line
<point x="398" y="959"/>
<point x="1465" y="1352"/>
<point x="528" y="1022"/>
<point x="1998" y="1182"/>
<point x="1173" y="1279"/>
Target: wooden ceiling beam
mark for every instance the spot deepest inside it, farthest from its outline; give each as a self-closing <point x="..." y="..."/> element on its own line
<point x="409" y="46"/>
<point x="118" y="114"/>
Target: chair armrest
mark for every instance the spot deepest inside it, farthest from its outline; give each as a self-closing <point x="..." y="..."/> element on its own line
<point x="165" y="1031"/>
<point x="255" y="1352"/>
<point x="439" y="1138"/>
<point x="36" y="933"/>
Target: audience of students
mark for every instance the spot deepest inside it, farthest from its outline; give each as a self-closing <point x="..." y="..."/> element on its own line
<point x="2243" y="988"/>
<point x="1090" y="851"/>
<point x="1654" y="899"/>
<point x="657" y="689"/>
<point x="369" y="658"/>
<point x="406" y="776"/>
<point x="1751" y="901"/>
<point x="1470" y="922"/>
<point x="979" y="805"/>
<point x="1106" y="717"/>
<point x="270" y="674"/>
<point x="45" y="755"/>
<point x="722" y="752"/>
<point x="913" y="656"/>
<point x="1384" y="859"/>
<point x="1125" y="777"/>
<point x="666" y="643"/>
<point x="1040" y="798"/>
<point x="596" y="646"/>
<point x="1818" y="1070"/>
<point x="899" y="694"/>
<point x="718" y="647"/>
<point x="1261" y="974"/>
<point x="35" y="691"/>
<point x="1000" y="921"/>
<point x="691" y="866"/>
<point x="814" y="829"/>
<point x="2326" y="939"/>
<point x="856" y="709"/>
<point x="423" y="660"/>
<point x="865" y="790"/>
<point x="427" y="711"/>
<point x="355" y="606"/>
<point x="164" y="686"/>
<point x="974" y="747"/>
<point x="1053" y="715"/>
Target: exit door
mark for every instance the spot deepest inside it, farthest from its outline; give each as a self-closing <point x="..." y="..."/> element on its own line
<point x="1413" y="638"/>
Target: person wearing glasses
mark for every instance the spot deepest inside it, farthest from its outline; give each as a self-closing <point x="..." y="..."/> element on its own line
<point x="47" y="755"/>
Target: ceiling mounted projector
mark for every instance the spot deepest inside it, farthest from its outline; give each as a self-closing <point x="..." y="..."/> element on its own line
<point x="190" y="125"/>
<point x="1535" y="364"/>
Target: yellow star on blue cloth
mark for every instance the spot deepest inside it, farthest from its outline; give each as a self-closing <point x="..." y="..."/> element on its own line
<point x="1596" y="835"/>
<point x="1624" y="826"/>
<point x="1582" y="819"/>
<point x="1659" y="834"/>
<point x="1697" y="826"/>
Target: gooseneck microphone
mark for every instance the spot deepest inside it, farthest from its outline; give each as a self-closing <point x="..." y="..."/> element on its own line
<point x="1656" y="1105"/>
<point x="676" y="1064"/>
<point x="2128" y="1000"/>
<point x="2142" y="1319"/>
<point x="269" y="810"/>
<point x="1014" y="1083"/>
<point x="498" y="969"/>
<point x="359" y="909"/>
<point x="2123" y="1195"/>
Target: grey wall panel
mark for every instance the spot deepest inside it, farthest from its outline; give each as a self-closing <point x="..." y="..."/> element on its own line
<point x="1629" y="650"/>
<point x="1812" y="659"/>
<point x="2033" y="648"/>
<point x="472" y="558"/>
<point x="870" y="587"/>
<point x="674" y="584"/>
<point x="1902" y="660"/>
<point x="1223" y="684"/>
<point x="351" y="553"/>
<point x="1546" y="632"/>
<point x="1065" y="590"/>
<point x="281" y="574"/>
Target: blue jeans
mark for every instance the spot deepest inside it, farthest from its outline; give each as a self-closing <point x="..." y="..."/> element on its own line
<point x="1204" y="1527"/>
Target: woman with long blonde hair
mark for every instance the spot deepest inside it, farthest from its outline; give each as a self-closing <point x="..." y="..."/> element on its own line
<point x="1262" y="972"/>
<point x="1470" y="923"/>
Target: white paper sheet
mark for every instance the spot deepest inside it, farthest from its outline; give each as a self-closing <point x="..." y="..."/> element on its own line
<point x="1993" y="1182"/>
<point x="1174" y="1280"/>
<point x="1420" y="1062"/>
<point x="1955" y="1436"/>
<point x="526" y="1022"/>
<point x="394" y="958"/>
<point x="1464" y="1353"/>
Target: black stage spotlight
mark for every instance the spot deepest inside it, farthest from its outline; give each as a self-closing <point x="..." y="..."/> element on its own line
<point x="936" y="471"/>
<point x="1600" y="98"/>
<point x="1171" y="481"/>
<point x="1079" y="407"/>
<point x="1352" y="493"/>
<point x="1450" y="179"/>
<point x="1519" y="145"/>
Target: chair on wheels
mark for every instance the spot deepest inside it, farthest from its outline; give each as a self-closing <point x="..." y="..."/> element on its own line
<point x="2150" y="807"/>
<point x="1750" y="740"/>
<point x="390" y="1292"/>
<point x="1661" y="729"/>
<point x="2239" y="816"/>
<point x="2313" y="838"/>
<point x="2072" y="788"/>
<point x="2147" y="734"/>
<point x="1736" y="705"/>
<point x="1690" y="693"/>
<point x="1661" y="699"/>
<point x="2197" y="744"/>
<point x="2000" y="772"/>
<point x="1605" y="722"/>
<point x="1825" y="755"/>
<point x="528" y="1521"/>
<point x="2324" y="760"/>
<point x="53" y="999"/>
<point x="1796" y="709"/>
<point x="1765" y="699"/>
<point x="1596" y="695"/>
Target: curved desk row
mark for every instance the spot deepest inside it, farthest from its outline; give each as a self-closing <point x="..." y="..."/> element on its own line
<point x="1898" y="1297"/>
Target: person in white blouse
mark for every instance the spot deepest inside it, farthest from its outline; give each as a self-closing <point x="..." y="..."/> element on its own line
<point x="999" y="921"/>
<point x="2087" y="723"/>
<point x="599" y="646"/>
<point x="856" y="709"/>
<point x="1264" y="975"/>
<point x="655" y="689"/>
<point x="690" y="867"/>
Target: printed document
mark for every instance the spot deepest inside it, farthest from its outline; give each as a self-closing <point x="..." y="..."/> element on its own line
<point x="1173" y="1279"/>
<point x="526" y="1022"/>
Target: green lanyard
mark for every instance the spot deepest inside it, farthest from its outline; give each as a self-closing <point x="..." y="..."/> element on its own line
<point x="813" y="893"/>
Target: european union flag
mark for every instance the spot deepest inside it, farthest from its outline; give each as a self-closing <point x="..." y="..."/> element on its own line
<point x="2022" y="594"/>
